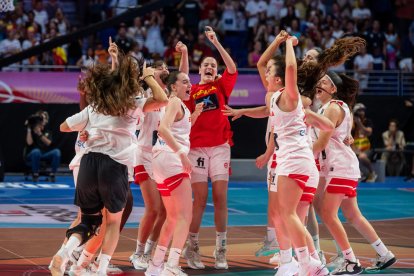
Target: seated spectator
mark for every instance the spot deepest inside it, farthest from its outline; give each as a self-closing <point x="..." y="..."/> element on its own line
<point x="363" y="63"/>
<point x="38" y="145"/>
<point x="255" y="54"/>
<point x="362" y="146"/>
<point x="200" y="51"/>
<point x="394" y="142"/>
<point x="122" y="40"/>
<point x="361" y="12"/>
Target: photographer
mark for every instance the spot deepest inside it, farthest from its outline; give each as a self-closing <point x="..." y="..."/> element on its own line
<point x="38" y="142"/>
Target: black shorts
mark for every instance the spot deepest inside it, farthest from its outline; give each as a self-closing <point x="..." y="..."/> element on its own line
<point x="102" y="182"/>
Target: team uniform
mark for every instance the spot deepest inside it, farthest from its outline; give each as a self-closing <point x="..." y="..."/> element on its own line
<point x="211" y="135"/>
<point x="166" y="164"/>
<point x="342" y="165"/>
<point x="147" y="137"/>
<point x="271" y="164"/>
<point x="110" y="152"/>
<point x="293" y="153"/>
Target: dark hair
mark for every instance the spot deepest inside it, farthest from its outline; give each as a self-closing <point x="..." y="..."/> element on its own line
<point x="309" y="73"/>
<point x="112" y="92"/>
<point x="208" y="57"/>
<point x="346" y="87"/>
<point x="280" y="64"/>
<point x="393" y="120"/>
<point x="172" y="79"/>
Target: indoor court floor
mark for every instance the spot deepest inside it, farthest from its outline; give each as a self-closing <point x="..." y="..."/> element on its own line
<point x="34" y="217"/>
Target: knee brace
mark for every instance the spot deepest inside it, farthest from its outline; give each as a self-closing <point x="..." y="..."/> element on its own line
<point x="88" y="227"/>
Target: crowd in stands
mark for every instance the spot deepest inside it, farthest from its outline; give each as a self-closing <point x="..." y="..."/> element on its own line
<point x="246" y="27"/>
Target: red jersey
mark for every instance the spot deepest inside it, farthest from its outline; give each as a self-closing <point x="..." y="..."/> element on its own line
<point x="212" y="128"/>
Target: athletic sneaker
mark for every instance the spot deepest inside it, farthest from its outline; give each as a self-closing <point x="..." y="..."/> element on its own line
<point x="154" y="270"/>
<point x="288" y="269"/>
<point x="220" y="257"/>
<point x="275" y="260"/>
<point x="172" y="271"/>
<point x="58" y="264"/>
<point x="268" y="248"/>
<point x="349" y="268"/>
<point x="111" y="269"/>
<point x="192" y="254"/>
<point x="335" y="262"/>
<point x="313" y="268"/>
<point x="382" y="262"/>
<point x="140" y="262"/>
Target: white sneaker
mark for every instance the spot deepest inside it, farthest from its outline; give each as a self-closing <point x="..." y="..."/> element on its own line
<point x="58" y="264"/>
<point x="220" y="257"/>
<point x="192" y="254"/>
<point x="382" y="262"/>
<point x="268" y="248"/>
<point x="275" y="260"/>
<point x="288" y="269"/>
<point x="140" y="262"/>
<point x="172" y="271"/>
<point x="335" y="262"/>
<point x="77" y="270"/>
<point x="111" y="269"/>
<point x="313" y="268"/>
<point x="154" y="270"/>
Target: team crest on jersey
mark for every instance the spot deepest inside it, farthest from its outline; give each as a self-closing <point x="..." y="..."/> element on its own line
<point x="210" y="102"/>
<point x="302" y="132"/>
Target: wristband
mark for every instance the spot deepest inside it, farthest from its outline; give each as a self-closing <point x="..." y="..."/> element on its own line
<point x="147" y="77"/>
<point x="180" y="151"/>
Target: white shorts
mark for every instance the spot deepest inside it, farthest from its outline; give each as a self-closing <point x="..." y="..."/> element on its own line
<point x="210" y="162"/>
<point x="144" y="162"/>
<point x="271" y="174"/>
<point x="168" y="171"/>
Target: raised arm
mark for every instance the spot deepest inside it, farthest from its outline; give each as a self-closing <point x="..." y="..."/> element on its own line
<point x="228" y="61"/>
<point x="268" y="54"/>
<point x="333" y="113"/>
<point x="184" y="65"/>
<point x="159" y="97"/>
<point x="113" y="52"/>
<point x="291" y="75"/>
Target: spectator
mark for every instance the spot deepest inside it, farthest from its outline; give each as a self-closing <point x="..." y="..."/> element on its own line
<point x="122" y="40"/>
<point x="190" y="10"/>
<point x="253" y="9"/>
<point x="199" y="52"/>
<point x="392" y="46"/>
<point x="375" y="38"/>
<point x="40" y="16"/>
<point x="10" y="46"/>
<point x="171" y="56"/>
<point x="255" y="54"/>
<point x="29" y="42"/>
<point x="328" y="39"/>
<point x="362" y="64"/>
<point x="120" y="6"/>
<point x="51" y="8"/>
<point x="102" y="55"/>
<point x="407" y="51"/>
<point x="273" y="9"/>
<point x="361" y="12"/>
<point x="138" y="32"/>
<point x="62" y="24"/>
<point x="211" y="21"/>
<point x="378" y="62"/>
<point x="337" y="31"/>
<point x="153" y="41"/>
<point x="87" y="60"/>
<point x="362" y="145"/>
<point x="38" y="145"/>
<point x="228" y="15"/>
<point x="394" y="142"/>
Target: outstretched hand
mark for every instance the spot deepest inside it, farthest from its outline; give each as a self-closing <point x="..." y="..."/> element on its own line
<point x="230" y="112"/>
<point x="113" y="49"/>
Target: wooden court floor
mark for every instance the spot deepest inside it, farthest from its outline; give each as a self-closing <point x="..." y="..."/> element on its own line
<point x="28" y="251"/>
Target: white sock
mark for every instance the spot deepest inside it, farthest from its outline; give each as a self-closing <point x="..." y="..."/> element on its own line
<point x="270" y="233"/>
<point x="315" y="255"/>
<point x="349" y="255"/>
<point x="193" y="237"/>
<point x="103" y="264"/>
<point x="303" y="254"/>
<point x="174" y="257"/>
<point x="72" y="243"/>
<point x="316" y="242"/>
<point x="140" y="248"/>
<point x="159" y="255"/>
<point x="380" y="247"/>
<point x="286" y="256"/>
<point x="149" y="245"/>
<point x="221" y="240"/>
<point x="85" y="258"/>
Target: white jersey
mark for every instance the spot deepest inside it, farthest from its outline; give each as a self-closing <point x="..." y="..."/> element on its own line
<point x="110" y="135"/>
<point x="180" y="131"/>
<point x="341" y="161"/>
<point x="290" y="130"/>
<point x="148" y="132"/>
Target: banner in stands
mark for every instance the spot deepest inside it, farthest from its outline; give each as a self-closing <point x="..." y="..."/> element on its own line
<point x="60" y="87"/>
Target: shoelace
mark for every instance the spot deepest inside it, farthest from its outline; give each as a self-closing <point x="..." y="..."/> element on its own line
<point x="221" y="254"/>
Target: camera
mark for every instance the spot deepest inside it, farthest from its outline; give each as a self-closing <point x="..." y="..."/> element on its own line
<point x="34" y="120"/>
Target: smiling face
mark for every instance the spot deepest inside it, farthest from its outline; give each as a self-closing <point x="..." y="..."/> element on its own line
<point x="208" y="70"/>
<point x="182" y="86"/>
<point x="325" y="89"/>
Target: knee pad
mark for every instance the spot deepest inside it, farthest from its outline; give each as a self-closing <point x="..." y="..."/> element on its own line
<point x="88" y="227"/>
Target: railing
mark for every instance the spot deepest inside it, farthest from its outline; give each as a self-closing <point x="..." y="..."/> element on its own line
<point x="372" y="83"/>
